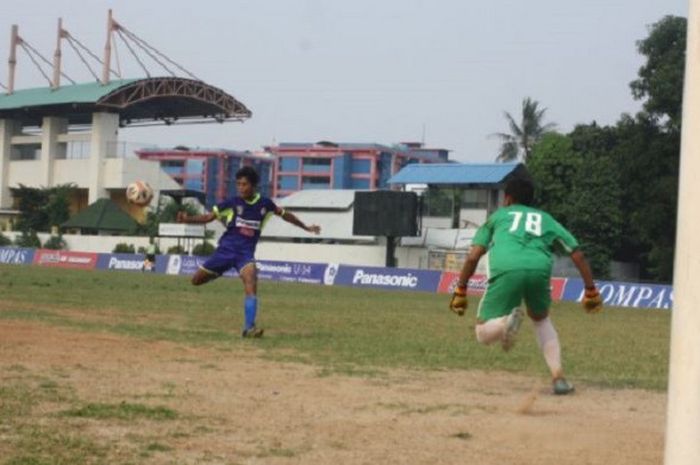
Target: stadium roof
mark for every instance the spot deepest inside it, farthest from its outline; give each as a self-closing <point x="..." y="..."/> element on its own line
<point x="457" y="174"/>
<point x="102" y="215"/>
<point x="137" y="101"/>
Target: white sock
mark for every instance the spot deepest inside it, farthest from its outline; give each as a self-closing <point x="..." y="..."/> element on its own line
<point x="491" y="331"/>
<point x="549" y="344"/>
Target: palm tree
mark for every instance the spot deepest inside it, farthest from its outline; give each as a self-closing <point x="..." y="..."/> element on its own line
<point x="523" y="138"/>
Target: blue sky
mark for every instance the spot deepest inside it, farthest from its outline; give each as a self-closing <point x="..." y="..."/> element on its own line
<point x="370" y="71"/>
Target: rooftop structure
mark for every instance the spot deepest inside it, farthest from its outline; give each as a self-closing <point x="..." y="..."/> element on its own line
<point x="211" y="171"/>
<point x="458" y="174"/>
<point x="328" y="165"/>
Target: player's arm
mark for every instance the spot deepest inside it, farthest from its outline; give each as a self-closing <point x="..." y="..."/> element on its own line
<point x="183" y="217"/>
<point x="480" y="244"/>
<point x="458" y="303"/>
<point x="470" y="264"/>
<point x="592" y="302"/>
<point x="291" y="218"/>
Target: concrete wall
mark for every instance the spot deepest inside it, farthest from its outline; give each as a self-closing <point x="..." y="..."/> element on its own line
<point x="368" y="255"/>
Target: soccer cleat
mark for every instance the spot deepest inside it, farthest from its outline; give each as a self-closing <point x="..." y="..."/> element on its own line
<point x="515" y="319"/>
<point x="562" y="387"/>
<point x="253" y="331"/>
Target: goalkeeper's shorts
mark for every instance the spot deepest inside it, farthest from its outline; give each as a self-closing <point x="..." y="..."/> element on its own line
<point x="509" y="289"/>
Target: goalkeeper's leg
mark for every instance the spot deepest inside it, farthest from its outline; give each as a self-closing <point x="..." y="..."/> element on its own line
<point x="491" y="331"/>
<point x="548" y="340"/>
<point x="499" y="315"/>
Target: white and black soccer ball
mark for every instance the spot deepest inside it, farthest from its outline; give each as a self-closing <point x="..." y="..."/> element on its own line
<point x="139" y="193"/>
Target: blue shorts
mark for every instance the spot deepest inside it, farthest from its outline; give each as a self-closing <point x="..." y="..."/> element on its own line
<point x="224" y="259"/>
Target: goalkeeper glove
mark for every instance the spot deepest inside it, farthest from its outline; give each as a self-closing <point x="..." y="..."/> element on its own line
<point x="458" y="303"/>
<point x="592" y="302"/>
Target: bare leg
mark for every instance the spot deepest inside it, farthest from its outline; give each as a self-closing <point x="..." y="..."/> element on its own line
<point x="548" y="340"/>
<point x="249" y="276"/>
<point x="491" y="331"/>
<point x="202" y="277"/>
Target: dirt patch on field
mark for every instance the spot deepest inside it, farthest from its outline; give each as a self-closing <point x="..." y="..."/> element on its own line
<point x="233" y="407"/>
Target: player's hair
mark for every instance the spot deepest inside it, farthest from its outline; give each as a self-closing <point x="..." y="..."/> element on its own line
<point x="522" y="190"/>
<point x="250" y="174"/>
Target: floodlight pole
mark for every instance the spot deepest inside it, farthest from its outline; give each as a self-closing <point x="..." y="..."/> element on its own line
<point x="56" y="82"/>
<point x="107" y="63"/>
<point x="683" y="414"/>
<point x="12" y="61"/>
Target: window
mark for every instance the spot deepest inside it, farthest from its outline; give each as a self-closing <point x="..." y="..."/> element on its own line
<point x="362" y="166"/>
<point x="475" y="198"/>
<point x="26" y="152"/>
<point x="172" y="163"/>
<point x="287" y="182"/>
<point x="316" y="182"/>
<point x="288" y="164"/>
<point x="317" y="165"/>
<point x="360" y="183"/>
<point x="317" y="162"/>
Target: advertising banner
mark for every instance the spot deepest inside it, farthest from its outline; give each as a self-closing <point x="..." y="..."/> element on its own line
<point x="479" y="282"/>
<point x="120" y="261"/>
<point x="16" y="255"/>
<point x="65" y="259"/>
<point x="183" y="265"/>
<point x="448" y="282"/>
<point x="296" y="272"/>
<point x="620" y="294"/>
<point x="387" y="278"/>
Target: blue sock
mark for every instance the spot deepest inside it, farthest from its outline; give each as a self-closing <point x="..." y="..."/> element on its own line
<point x="251" y="309"/>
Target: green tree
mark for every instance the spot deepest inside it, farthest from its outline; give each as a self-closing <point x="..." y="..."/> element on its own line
<point x="596" y="195"/>
<point x="28" y="239"/>
<point x="518" y="143"/>
<point x="554" y="167"/>
<point x="648" y="158"/>
<point x="41" y="208"/>
<point x="660" y="80"/>
<point x="204" y="249"/>
<point x="4" y="240"/>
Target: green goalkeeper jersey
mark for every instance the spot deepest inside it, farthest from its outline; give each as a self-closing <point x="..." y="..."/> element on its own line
<point x="519" y="237"/>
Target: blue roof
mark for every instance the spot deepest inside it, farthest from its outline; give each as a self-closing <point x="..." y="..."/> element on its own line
<point x="455" y="173"/>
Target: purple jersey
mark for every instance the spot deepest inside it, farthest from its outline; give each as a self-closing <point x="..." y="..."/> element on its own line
<point x="244" y="219"/>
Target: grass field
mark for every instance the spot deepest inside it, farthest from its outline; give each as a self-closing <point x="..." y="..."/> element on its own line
<point x="334" y="330"/>
<point x="335" y="327"/>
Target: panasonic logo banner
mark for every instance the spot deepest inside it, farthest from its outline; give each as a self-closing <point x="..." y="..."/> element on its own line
<point x="297" y="272"/>
<point x="117" y="264"/>
<point x="382" y="279"/>
<point x="120" y="262"/>
<point x="388" y="278"/>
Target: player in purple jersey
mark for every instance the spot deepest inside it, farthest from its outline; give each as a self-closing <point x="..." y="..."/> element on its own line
<point x="244" y="217"/>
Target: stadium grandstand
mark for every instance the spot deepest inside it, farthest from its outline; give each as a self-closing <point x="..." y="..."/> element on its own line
<point x="68" y="133"/>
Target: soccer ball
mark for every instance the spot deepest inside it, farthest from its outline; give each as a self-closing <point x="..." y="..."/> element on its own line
<point x="139" y="193"/>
